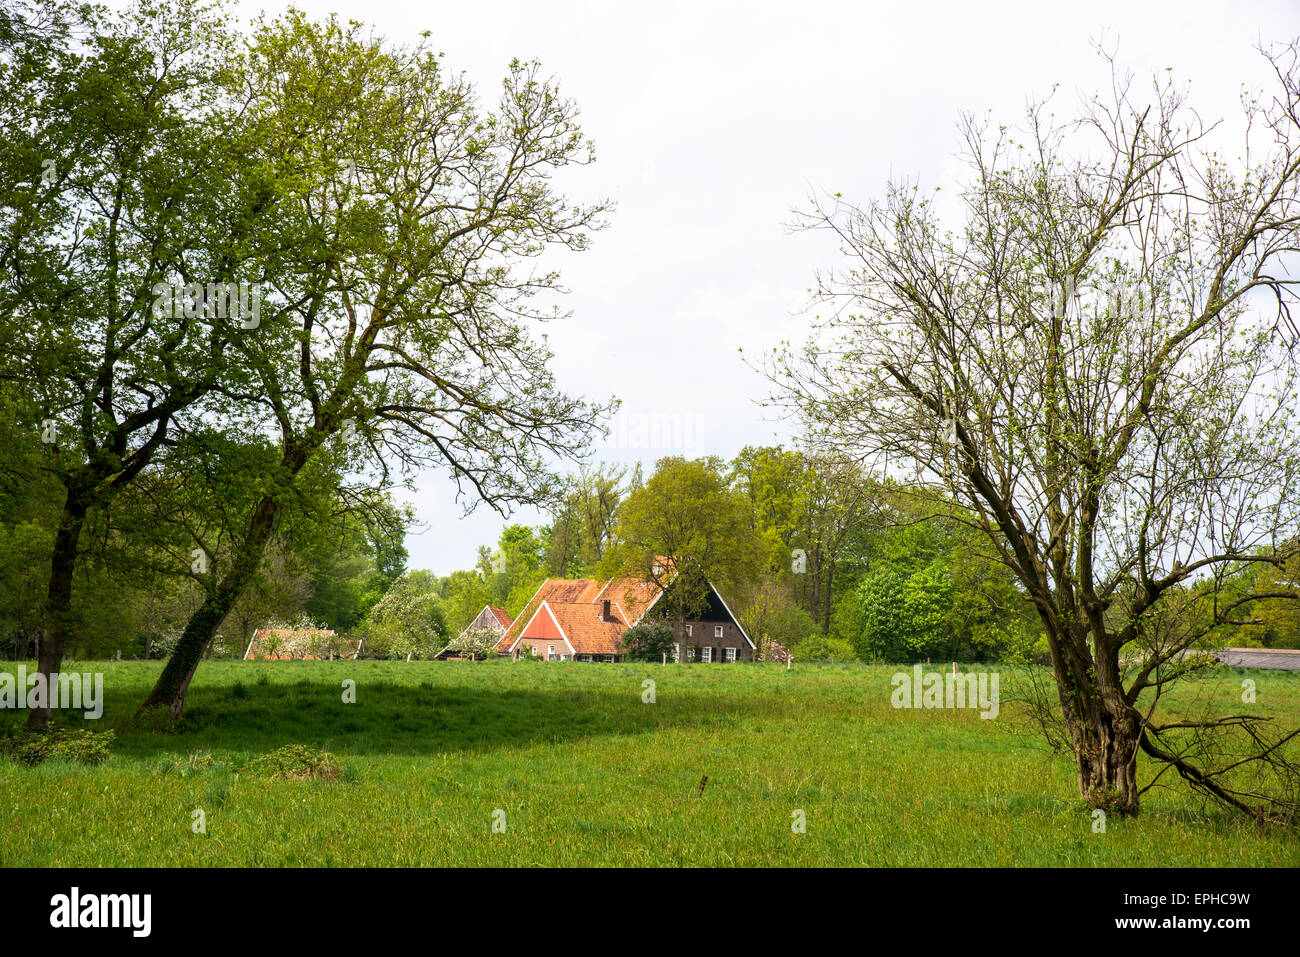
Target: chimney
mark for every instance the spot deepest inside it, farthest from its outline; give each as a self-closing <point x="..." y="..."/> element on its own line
<point x="604" y="611"/>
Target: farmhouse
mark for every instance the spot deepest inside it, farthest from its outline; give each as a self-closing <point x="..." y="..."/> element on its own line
<point x="583" y="620"/>
<point x="491" y="618"/>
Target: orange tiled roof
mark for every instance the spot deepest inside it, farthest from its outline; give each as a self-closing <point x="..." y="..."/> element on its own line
<point x="500" y="615"/>
<point x="582" y="625"/>
<point x="630" y="598"/>
<point x="553" y="589"/>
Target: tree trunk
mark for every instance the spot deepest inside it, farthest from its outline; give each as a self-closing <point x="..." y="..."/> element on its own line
<point x="1106" y="754"/>
<point x="826" y="618"/>
<point x="63" y="563"/>
<point x="1104" y="728"/>
<point x="169" y="691"/>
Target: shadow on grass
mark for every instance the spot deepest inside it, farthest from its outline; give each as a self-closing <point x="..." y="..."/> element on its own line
<point x="400" y="719"/>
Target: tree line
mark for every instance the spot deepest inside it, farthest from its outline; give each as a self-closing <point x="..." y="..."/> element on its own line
<point x="819" y="557"/>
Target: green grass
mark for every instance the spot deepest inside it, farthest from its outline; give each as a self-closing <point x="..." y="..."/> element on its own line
<point x="587" y="774"/>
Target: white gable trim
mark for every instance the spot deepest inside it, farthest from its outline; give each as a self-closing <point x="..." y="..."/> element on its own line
<point x="654" y="602"/>
<point x="621" y="613"/>
<point x="466" y="629"/>
<point x="743" y="633"/>
<point x="661" y="592"/>
<point x="558" y="627"/>
<point x="521" y="611"/>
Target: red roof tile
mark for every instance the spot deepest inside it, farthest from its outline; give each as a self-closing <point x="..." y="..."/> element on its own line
<point x="582" y="626"/>
<point x="553" y="589"/>
<point x="576" y="604"/>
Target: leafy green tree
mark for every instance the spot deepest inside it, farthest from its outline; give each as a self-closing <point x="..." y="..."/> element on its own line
<point x="516" y="568"/>
<point x="812" y="512"/>
<point x="684" y="527"/>
<point x="464" y="595"/>
<point x="1274" y="621"/>
<point x="408" y="622"/>
<point x="399" y="324"/>
<point x="771" y="612"/>
<point x="649" y="642"/>
<point x="124" y="165"/>
<point x="885" y="633"/>
<point x="351" y="548"/>
<point x="584" y="520"/>
<point x="776" y="482"/>
<point x="841" y="503"/>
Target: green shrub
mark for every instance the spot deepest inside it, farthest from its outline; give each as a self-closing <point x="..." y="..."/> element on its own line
<point x="77" y="745"/>
<point x="818" y="647"/>
<point x="650" y="642"/>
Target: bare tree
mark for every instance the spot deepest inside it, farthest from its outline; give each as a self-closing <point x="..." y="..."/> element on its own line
<point x="1100" y="365"/>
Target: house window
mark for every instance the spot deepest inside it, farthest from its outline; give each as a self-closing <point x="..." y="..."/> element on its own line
<point x="564" y="657"/>
<point x="550" y="652"/>
<point x="706" y="655"/>
<point x="692" y="653"/>
<point x="717" y="631"/>
<point x="690" y="630"/>
<point x="728" y="654"/>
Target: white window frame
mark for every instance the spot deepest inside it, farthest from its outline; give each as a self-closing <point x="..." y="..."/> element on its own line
<point x="706" y="655"/>
<point x="690" y="631"/>
<point x="677" y="652"/>
<point x="717" y="631"/>
<point x="550" y="652"/>
<point x="728" y="654"/>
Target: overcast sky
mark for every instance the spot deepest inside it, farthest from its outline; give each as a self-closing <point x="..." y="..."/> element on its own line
<point x="713" y="121"/>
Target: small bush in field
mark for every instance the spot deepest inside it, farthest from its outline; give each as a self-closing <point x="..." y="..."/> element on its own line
<point x="298" y="762"/>
<point x="76" y="745"/>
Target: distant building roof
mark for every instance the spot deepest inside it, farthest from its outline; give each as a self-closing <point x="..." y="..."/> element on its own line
<point x="572" y="609"/>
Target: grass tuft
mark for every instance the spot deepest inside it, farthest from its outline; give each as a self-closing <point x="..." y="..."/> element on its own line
<point x="298" y="762"/>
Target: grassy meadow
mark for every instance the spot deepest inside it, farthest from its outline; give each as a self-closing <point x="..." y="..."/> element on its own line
<point x="586" y="773"/>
